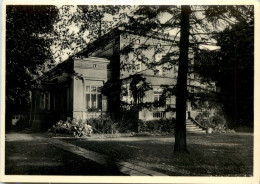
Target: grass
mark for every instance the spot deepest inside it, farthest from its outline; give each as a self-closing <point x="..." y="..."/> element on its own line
<point x="30" y="157"/>
<point x="210" y="155"/>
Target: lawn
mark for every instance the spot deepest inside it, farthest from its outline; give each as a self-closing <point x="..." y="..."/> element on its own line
<point x="210" y="155"/>
<point x="40" y="158"/>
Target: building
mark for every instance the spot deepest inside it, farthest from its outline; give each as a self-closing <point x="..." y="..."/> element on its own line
<point x="73" y="88"/>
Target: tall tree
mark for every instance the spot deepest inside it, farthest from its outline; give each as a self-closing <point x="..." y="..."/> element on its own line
<point x="78" y="26"/>
<point x="182" y="93"/>
<point x="26" y="51"/>
<point x="232" y="68"/>
<point x="194" y="23"/>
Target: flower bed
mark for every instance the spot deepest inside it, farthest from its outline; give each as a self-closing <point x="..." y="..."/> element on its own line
<point x="74" y="127"/>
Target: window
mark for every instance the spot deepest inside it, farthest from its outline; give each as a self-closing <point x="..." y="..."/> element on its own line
<point x="45" y="101"/>
<point x="93" y="98"/>
<point x="156" y="97"/>
<point x="127" y="94"/>
<point x="42" y="103"/>
<point x="128" y="91"/>
<point x="171" y="102"/>
<point x="157" y="93"/>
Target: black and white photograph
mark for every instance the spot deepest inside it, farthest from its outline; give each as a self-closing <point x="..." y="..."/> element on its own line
<point x="128" y="90"/>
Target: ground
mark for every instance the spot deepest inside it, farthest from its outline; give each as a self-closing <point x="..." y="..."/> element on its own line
<point x="26" y="155"/>
<point x="210" y="155"/>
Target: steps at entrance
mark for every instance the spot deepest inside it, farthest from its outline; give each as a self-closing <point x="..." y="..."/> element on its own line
<point x="192" y="128"/>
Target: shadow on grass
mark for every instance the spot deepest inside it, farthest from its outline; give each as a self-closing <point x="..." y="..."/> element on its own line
<point x="39" y="158"/>
<point x="210" y="155"/>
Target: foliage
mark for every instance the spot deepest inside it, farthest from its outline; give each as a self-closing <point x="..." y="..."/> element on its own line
<point x="74" y="127"/>
<point x="21" y="123"/>
<point x="157" y="126"/>
<point x="112" y="89"/>
<point x="232" y="68"/>
<point x="61" y="127"/>
<point x="217" y="122"/>
<point x="128" y="125"/>
<point x="195" y="22"/>
<point x="27" y="49"/>
<point x="103" y="124"/>
<point x="79" y="25"/>
<point x="80" y="128"/>
<point x="129" y="120"/>
<point x="138" y="87"/>
<point x="203" y="119"/>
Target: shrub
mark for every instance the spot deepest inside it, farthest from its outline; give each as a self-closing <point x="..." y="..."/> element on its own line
<point x="157" y="126"/>
<point x="80" y="128"/>
<point x="21" y="123"/>
<point x="203" y="119"/>
<point x="217" y="122"/>
<point x="103" y="124"/>
<point x="128" y="121"/>
<point x="168" y="125"/>
<point x="127" y="125"/>
<point x="63" y="127"/>
<point x="75" y="127"/>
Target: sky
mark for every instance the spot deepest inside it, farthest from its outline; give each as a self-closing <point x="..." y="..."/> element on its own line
<point x="73" y="28"/>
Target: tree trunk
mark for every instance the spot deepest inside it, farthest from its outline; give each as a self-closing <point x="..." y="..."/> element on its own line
<point x="181" y="95"/>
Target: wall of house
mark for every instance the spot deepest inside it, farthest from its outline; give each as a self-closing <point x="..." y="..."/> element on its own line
<point x="147" y="114"/>
<point x="62" y="94"/>
<point x="131" y="65"/>
<point x="155" y="76"/>
<point x="80" y="110"/>
<point x="126" y="65"/>
<point x="53" y="101"/>
<point x="78" y="99"/>
<point x="94" y="73"/>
